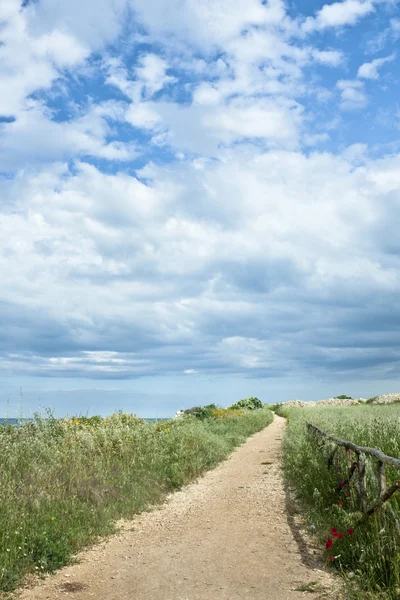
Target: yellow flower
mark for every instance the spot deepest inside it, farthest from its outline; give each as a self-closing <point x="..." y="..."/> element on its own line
<point x="53" y="518"/>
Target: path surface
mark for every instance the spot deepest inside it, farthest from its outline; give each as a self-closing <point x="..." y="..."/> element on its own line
<point x="225" y="537"/>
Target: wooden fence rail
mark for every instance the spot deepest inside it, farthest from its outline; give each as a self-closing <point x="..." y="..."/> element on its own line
<point x="384" y="492"/>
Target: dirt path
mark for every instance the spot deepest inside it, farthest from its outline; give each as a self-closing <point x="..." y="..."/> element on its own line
<point x="225" y="537"/>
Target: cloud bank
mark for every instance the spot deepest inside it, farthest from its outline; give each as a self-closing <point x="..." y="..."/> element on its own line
<point x="196" y="188"/>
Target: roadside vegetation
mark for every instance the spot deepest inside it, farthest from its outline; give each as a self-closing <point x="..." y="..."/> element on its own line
<point x="367" y="554"/>
<point x="64" y="483"/>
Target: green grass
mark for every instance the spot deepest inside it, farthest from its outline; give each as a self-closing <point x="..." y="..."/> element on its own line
<point x="64" y="483"/>
<point x="311" y="588"/>
<point x="369" y="558"/>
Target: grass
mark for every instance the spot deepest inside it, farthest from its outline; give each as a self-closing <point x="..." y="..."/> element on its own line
<point x="64" y="483"/>
<point x="311" y="587"/>
<point x="368" y="555"/>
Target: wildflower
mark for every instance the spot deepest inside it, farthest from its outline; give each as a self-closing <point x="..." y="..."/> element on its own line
<point x="53" y="518"/>
<point x="331" y="558"/>
<point x="350" y="531"/>
<point x="347" y="493"/>
<point x="342" y="485"/>
<point x="351" y="575"/>
<point x="340" y="536"/>
<point x="340" y="502"/>
<point x="328" y="544"/>
<point x="333" y="530"/>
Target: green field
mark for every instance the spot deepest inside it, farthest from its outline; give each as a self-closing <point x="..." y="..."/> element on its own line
<point x="368" y="554"/>
<point x="63" y="483"/>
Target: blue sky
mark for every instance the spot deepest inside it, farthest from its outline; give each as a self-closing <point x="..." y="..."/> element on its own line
<point x="198" y="202"/>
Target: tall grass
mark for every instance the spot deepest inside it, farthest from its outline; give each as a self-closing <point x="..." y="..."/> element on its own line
<point x="368" y="554"/>
<point x="65" y="482"/>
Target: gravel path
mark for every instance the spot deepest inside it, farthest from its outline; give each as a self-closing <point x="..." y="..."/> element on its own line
<point x="224" y="537"/>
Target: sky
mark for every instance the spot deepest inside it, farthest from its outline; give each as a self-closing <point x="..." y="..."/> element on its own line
<point x="199" y="202"/>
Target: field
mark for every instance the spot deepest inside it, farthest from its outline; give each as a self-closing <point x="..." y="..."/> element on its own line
<point x="367" y="554"/>
<point x="63" y="483"/>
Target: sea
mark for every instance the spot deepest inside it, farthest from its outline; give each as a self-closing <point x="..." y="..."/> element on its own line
<point x="12" y="421"/>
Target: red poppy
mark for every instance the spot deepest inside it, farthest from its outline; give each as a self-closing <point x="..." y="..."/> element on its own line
<point x="340" y="536"/>
<point x="329" y="544"/>
<point x="331" y="558"/>
<point x="340" y="502"/>
<point x="347" y="493"/>
<point x="333" y="530"/>
<point x="342" y="485"/>
<point x="350" y="531"/>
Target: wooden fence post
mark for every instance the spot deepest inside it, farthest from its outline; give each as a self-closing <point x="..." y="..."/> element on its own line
<point x="362" y="483"/>
<point x="348" y="459"/>
<point x="381" y="478"/>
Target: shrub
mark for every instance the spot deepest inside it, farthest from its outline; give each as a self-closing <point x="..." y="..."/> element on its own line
<point x="372" y="400"/>
<point x="248" y="404"/>
<point x="201" y="412"/>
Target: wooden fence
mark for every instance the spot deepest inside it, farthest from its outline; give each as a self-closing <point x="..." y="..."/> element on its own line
<point x="358" y="465"/>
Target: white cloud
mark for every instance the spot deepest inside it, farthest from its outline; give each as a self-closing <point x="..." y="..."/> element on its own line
<point x="207" y="23"/>
<point x="370" y="70"/>
<point x="356" y="153"/>
<point x="93" y="24"/>
<point x="204" y="129"/>
<point x="34" y="137"/>
<point x="60" y="48"/>
<point x="144" y="116"/>
<point x="214" y="261"/>
<point x="274" y="121"/>
<point x="395" y="27"/>
<point x="31" y="61"/>
<point x="151" y="73"/>
<point x="150" y="77"/>
<point x="338" y="14"/>
<point x="229" y="254"/>
<point x="387" y="35"/>
<point x="352" y="94"/>
<point x="245" y="353"/>
<point x="330" y="58"/>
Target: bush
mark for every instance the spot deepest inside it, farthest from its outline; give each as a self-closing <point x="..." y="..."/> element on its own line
<point x="248" y="404"/>
<point x="372" y="400"/>
<point x="201" y="412"/>
<point x="344" y="397"/>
